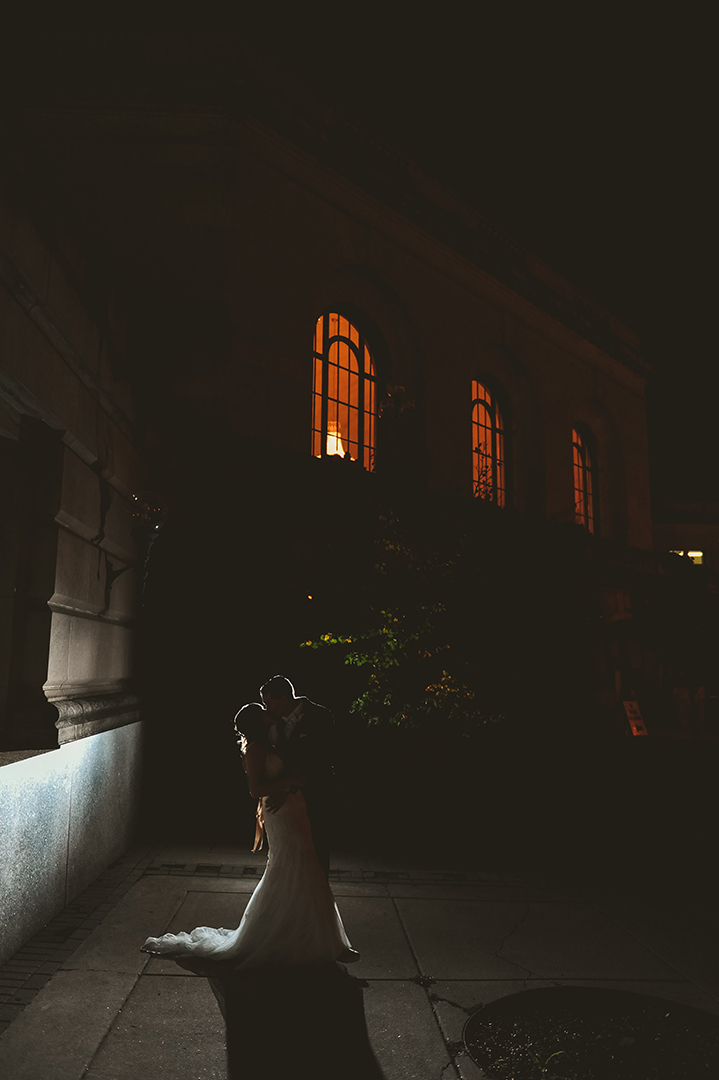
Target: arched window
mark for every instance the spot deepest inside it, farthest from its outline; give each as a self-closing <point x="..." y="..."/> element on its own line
<point x="344" y="392"/>
<point x="487" y="446"/>
<point x="584" y="482"/>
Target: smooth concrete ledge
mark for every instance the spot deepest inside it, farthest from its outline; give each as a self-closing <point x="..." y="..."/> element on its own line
<point x="66" y="814"/>
<point x="9" y="757"/>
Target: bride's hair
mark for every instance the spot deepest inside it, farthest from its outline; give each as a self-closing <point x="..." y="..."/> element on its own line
<point x="250" y="726"/>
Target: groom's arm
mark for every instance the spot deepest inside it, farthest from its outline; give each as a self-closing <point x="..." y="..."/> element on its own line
<point x="314" y="749"/>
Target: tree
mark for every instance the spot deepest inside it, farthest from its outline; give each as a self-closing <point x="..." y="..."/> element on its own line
<point x="412" y="640"/>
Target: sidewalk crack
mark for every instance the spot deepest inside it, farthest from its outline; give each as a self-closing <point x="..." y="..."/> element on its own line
<point x="469" y="1011"/>
<point x="523" y="918"/>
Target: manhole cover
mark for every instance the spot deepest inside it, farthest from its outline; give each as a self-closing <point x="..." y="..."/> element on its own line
<point x="585" y="1033"/>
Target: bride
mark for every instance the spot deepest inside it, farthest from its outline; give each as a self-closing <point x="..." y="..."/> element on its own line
<point x="292" y="918"/>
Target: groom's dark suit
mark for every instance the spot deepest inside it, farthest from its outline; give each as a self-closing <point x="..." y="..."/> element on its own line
<point x="308" y="749"/>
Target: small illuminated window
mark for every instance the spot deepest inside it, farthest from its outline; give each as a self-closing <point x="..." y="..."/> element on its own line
<point x="488" y="460"/>
<point x="344" y="392"/>
<point x="584" y="485"/>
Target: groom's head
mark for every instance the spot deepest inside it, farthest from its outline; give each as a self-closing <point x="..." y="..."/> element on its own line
<point x="278" y="696"/>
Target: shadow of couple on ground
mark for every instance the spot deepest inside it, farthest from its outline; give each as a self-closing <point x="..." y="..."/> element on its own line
<point x="296" y="1021"/>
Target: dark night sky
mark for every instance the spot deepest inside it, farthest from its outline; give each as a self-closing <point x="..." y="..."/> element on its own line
<point x="586" y="136"/>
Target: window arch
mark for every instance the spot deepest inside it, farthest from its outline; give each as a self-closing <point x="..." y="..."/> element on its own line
<point x="488" y="457"/>
<point x="585" y="503"/>
<point x="344" y="392"/>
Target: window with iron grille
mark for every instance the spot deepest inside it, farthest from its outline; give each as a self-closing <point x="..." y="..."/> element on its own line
<point x="584" y="482"/>
<point x="488" y="460"/>
<point x="344" y="392"/>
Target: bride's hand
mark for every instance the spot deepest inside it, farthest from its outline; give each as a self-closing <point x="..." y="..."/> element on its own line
<point x="274" y="802"/>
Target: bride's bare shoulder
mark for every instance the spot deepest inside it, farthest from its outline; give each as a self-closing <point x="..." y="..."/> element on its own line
<point x="254" y="755"/>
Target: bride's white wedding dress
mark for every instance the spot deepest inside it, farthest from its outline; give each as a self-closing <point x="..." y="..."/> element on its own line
<point x="291" y="919"/>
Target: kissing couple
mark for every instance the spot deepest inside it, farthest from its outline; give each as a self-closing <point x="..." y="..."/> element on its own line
<point x="292" y="918"/>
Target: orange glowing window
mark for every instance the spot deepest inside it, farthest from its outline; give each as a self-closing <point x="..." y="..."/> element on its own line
<point x="584" y="485"/>
<point x="488" y="459"/>
<point x="344" y="392"/>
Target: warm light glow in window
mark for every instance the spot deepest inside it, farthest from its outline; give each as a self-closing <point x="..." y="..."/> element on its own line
<point x="334" y="439"/>
<point x="344" y="392"/>
<point x="583" y="483"/>
<point x="696" y="557"/>
<point x="487" y="446"/>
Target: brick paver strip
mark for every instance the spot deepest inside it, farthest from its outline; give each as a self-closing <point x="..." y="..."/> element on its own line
<point x="27" y="971"/>
<point x="390" y="877"/>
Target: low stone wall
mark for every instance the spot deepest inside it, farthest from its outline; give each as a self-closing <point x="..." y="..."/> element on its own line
<point x="66" y="815"/>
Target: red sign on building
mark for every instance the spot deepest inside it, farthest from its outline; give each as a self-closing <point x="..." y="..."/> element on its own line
<point x="634" y="717"/>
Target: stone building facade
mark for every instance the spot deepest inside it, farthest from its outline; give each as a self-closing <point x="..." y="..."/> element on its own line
<point x="70" y="461"/>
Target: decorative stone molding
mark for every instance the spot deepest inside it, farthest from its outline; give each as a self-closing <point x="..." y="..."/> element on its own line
<point x="81" y="609"/>
<point x="81" y="716"/>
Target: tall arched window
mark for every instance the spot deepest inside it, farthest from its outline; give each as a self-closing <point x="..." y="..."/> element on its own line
<point x="344" y="392"/>
<point x="487" y="446"/>
<point x="584" y="482"/>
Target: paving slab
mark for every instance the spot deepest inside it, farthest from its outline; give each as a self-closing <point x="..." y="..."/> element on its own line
<point x="474" y="939"/>
<point x="404" y="1033"/>
<point x="358" y="888"/>
<point x="200" y="907"/>
<point x="170" y="1029"/>
<point x="687" y="940"/>
<point x="430" y="890"/>
<point x="222" y="853"/>
<point x="189" y="882"/>
<point x="113" y="945"/>
<point x="365" y="861"/>
<point x="57" y="1035"/>
<point x="375" y="930"/>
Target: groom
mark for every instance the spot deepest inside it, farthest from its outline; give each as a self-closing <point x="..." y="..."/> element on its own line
<point x="302" y="735"/>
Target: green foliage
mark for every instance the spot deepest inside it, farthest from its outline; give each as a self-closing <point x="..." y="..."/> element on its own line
<point x="544" y="1066"/>
<point x="411" y="640"/>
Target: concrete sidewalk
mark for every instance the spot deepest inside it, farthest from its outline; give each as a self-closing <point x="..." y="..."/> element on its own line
<point x="81" y="1002"/>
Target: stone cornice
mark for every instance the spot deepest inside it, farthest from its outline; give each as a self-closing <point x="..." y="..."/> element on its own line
<point x="68" y="605"/>
<point x="80" y="716"/>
